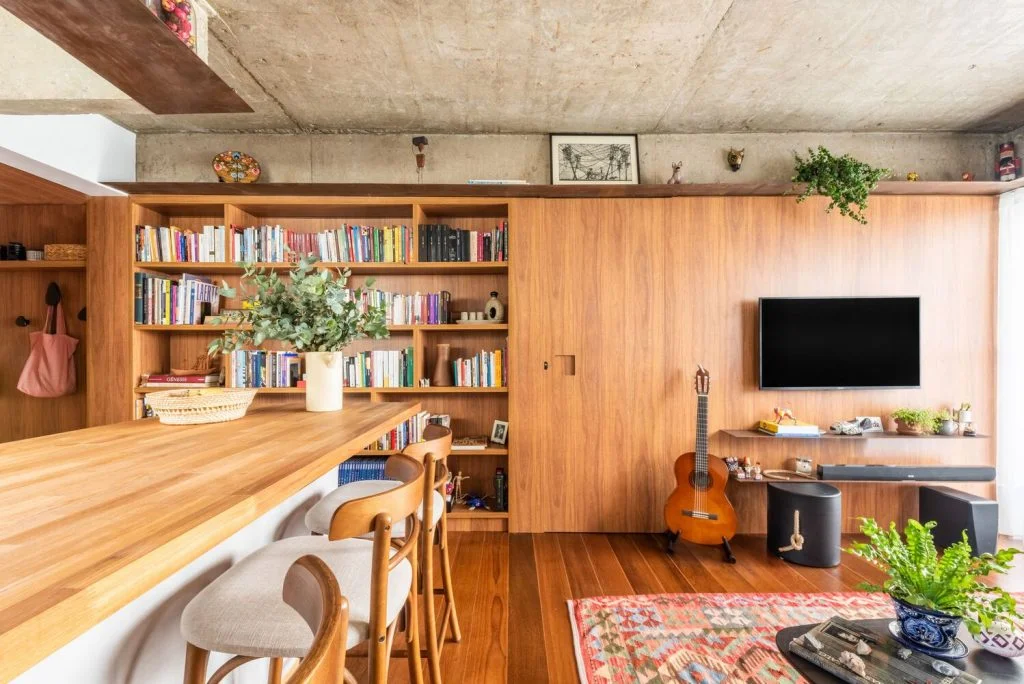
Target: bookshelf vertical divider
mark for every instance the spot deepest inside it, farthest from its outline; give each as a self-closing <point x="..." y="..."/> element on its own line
<point x="157" y="348"/>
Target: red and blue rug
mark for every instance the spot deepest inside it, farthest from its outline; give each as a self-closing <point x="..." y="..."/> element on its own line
<point x="701" y="638"/>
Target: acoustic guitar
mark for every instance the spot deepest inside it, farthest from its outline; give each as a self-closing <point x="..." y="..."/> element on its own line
<point x="698" y="510"/>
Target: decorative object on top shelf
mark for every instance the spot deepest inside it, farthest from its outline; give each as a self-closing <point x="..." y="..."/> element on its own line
<point x="419" y="142"/>
<point x="946" y="425"/>
<point x="442" y="376"/>
<point x="677" y="174"/>
<point x="494" y="310"/>
<point x="499" y="432"/>
<point x="915" y="421"/>
<point x="1007" y="163"/>
<point x="933" y="595"/>
<point x="965" y="416"/>
<point x="594" y="160"/>
<point x="313" y="312"/>
<point x="913" y="176"/>
<point x="735" y="158"/>
<point x="844" y="180"/>
<point x="967" y="176"/>
<point x="236" y="167"/>
<point x="180" y="17"/>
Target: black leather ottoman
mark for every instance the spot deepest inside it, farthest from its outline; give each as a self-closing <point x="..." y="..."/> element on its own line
<point x="818" y="507"/>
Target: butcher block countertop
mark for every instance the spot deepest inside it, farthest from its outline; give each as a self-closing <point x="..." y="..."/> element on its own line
<point x="94" y="518"/>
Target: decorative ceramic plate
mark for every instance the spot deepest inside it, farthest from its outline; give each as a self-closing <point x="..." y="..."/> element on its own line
<point x="236" y="167"/>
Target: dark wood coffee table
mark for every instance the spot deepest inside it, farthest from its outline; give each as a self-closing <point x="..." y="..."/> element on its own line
<point x="988" y="667"/>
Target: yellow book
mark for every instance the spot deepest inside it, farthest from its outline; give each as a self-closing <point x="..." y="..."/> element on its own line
<point x="788" y="428"/>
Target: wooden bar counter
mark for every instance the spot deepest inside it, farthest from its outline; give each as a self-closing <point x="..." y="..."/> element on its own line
<point x="93" y="519"/>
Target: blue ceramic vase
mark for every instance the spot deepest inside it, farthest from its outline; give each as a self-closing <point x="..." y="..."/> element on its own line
<point x="926" y="630"/>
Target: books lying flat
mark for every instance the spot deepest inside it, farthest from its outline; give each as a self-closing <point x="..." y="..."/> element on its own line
<point x="469" y="443"/>
<point x="831" y="644"/>
<point x="795" y="429"/>
<point x="180" y="381"/>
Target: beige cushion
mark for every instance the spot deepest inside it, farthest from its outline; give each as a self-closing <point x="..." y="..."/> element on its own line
<point x="318" y="518"/>
<point x="242" y="612"/>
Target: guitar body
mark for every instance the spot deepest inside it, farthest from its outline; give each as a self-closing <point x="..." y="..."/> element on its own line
<point x="697" y="510"/>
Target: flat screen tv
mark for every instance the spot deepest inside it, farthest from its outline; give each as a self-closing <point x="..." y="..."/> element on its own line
<point x="840" y="342"/>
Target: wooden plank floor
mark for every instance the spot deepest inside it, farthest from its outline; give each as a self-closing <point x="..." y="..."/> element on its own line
<point x="511" y="593"/>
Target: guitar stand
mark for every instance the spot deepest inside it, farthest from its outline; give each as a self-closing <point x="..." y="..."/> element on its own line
<point x="673" y="537"/>
<point x="727" y="551"/>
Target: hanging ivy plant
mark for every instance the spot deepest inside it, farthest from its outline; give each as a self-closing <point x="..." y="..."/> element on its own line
<point x="846" y="181"/>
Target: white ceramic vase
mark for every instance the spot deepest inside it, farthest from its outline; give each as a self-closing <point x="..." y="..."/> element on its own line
<point x="324" y="381"/>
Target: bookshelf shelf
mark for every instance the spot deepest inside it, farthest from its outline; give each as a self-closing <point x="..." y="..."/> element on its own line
<point x="357" y="390"/>
<point x="489" y="451"/>
<point x="449" y="327"/>
<point x="42" y="265"/>
<point x="416" y="268"/>
<point x="461" y="512"/>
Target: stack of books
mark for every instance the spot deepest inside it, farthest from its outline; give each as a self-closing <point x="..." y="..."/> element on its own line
<point x="162" y="301"/>
<point x="432" y="308"/>
<point x="444" y="243"/>
<point x="365" y="468"/>
<point x="263" y="368"/>
<point x="162" y="243"/>
<point x="361" y="244"/>
<point x="483" y="369"/>
<point x="789" y="429"/>
<point x="469" y="443"/>
<point x="379" y="368"/>
<point x="169" y="381"/>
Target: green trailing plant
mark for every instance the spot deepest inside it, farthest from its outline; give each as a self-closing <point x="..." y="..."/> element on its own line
<point x="949" y="583"/>
<point x="311" y="310"/>
<point x="926" y="418"/>
<point x="944" y="415"/>
<point x="844" y="180"/>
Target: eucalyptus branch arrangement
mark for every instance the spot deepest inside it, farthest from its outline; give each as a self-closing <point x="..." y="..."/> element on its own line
<point x="846" y="181"/>
<point x="948" y="584"/>
<point x="312" y="310"/>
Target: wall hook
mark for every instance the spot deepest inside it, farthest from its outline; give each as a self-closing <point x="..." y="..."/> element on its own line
<point x="21" y="322"/>
<point x="81" y="314"/>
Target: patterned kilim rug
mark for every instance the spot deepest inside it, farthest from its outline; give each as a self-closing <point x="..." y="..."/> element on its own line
<point x="700" y="638"/>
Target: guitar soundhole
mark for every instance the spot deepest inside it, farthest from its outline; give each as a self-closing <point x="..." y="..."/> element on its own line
<point x="700" y="481"/>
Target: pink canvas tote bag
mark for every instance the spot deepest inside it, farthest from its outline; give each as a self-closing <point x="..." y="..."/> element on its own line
<point x="50" y="369"/>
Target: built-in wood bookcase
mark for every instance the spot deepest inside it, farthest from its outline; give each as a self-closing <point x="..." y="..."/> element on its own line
<point x="156" y="348"/>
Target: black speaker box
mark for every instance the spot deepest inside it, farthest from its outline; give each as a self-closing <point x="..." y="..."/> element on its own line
<point x="955" y="511"/>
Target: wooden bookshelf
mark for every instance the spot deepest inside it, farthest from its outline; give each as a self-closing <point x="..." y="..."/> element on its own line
<point x="42" y="265"/>
<point x="157" y="348"/>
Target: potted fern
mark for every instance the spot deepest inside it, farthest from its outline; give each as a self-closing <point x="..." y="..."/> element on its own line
<point x="844" y="180"/>
<point x="311" y="310"/>
<point x="915" y="421"/>
<point x="933" y="595"/>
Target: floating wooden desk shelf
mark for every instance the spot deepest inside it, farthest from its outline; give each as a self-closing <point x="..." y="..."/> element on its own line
<point x="828" y="436"/>
<point x="358" y="390"/>
<point x="417" y="268"/>
<point x="42" y="265"/>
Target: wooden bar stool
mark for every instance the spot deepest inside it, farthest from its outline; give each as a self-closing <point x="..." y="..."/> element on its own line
<point x="242" y="612"/>
<point x="433" y="453"/>
<point x="311" y="589"/>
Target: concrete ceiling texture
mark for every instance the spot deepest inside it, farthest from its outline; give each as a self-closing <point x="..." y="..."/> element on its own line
<point x="528" y="66"/>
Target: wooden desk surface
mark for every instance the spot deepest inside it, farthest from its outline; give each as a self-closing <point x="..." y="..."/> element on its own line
<point x="92" y="519"/>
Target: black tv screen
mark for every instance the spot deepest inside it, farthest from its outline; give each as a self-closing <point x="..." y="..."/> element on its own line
<point x="840" y="342"/>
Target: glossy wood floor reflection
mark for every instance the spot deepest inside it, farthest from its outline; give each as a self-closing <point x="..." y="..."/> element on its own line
<point x="511" y="592"/>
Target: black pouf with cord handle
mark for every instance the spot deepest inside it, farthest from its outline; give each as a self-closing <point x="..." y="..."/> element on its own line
<point x="805" y="523"/>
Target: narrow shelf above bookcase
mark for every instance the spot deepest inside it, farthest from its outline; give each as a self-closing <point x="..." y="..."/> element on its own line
<point x="417" y="268"/>
<point x="357" y="390"/>
<point x="447" y="327"/>
<point x="42" y="265"/>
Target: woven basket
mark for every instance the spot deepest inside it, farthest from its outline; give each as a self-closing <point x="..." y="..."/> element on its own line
<point x="194" y="407"/>
<point x="61" y="252"/>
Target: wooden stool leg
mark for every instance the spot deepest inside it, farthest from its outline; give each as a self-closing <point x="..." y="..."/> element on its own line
<point x="446" y="581"/>
<point x="195" y="665"/>
<point x="412" y="627"/>
<point x="429" y="608"/>
<point x="276" y="668"/>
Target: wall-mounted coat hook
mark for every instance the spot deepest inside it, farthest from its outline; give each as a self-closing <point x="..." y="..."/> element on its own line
<point x="21" y="322"/>
<point x="81" y="314"/>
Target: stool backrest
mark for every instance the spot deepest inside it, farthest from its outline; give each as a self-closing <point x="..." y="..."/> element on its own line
<point x="433" y="453"/>
<point x="312" y="590"/>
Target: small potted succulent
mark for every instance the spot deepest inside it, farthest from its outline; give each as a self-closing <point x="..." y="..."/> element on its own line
<point x="947" y="426"/>
<point x="312" y="311"/>
<point x="933" y="595"/>
<point x="915" y="421"/>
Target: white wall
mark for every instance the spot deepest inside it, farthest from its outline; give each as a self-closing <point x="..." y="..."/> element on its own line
<point x="1010" y="365"/>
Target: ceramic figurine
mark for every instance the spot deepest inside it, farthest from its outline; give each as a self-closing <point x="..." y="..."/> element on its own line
<point x="677" y="174"/>
<point x="736" y="158"/>
<point x="757" y="472"/>
<point x="494" y="310"/>
<point x="967" y="176"/>
<point x="913" y="176"/>
<point x="782" y="414"/>
<point x="419" y="142"/>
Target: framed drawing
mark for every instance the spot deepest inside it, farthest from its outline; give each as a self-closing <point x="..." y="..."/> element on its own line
<point x="594" y="160"/>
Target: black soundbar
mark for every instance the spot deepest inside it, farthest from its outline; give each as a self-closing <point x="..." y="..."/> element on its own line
<point x="898" y="473"/>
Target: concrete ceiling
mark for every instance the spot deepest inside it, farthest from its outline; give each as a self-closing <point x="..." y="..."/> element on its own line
<point x="629" y="66"/>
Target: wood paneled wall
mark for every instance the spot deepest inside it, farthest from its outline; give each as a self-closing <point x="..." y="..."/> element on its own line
<point x="22" y="293"/>
<point x="642" y="290"/>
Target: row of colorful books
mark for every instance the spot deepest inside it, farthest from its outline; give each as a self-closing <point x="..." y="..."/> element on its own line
<point x="483" y="369"/>
<point x="359" y="244"/>
<point x="438" y="242"/>
<point x="408" y="432"/>
<point x="379" y="368"/>
<point x="264" y="368"/>
<point x="170" y="243"/>
<point x="432" y="308"/>
<point x="162" y="301"/>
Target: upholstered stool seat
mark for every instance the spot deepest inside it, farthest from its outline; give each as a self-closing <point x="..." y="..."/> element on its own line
<point x="318" y="518"/>
<point x="242" y="611"/>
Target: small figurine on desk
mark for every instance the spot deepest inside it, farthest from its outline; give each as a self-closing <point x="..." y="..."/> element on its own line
<point x="757" y="472"/>
<point x="748" y="469"/>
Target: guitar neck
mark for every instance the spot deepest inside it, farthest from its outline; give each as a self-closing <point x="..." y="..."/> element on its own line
<point x="702" y="433"/>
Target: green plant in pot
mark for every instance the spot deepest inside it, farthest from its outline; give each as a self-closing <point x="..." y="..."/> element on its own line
<point x="915" y="421"/>
<point x="934" y="594"/>
<point x="945" y="423"/>
<point x="844" y="180"/>
<point x="311" y="310"/>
